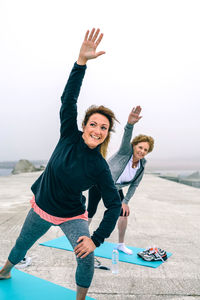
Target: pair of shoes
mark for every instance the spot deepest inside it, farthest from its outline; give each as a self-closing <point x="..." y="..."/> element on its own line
<point x="98" y="265"/>
<point x="153" y="254"/>
<point x="121" y="247"/>
<point x="24" y="263"/>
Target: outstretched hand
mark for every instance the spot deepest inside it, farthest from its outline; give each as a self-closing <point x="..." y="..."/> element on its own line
<point x="134" y="115"/>
<point x="88" y="49"/>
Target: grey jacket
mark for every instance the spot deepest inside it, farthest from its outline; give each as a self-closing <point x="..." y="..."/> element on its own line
<point x="119" y="160"/>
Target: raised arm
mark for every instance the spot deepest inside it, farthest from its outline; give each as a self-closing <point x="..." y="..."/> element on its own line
<point x="68" y="111"/>
<point x="125" y="146"/>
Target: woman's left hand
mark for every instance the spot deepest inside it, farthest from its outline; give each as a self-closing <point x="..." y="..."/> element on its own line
<point x="134" y="115"/>
<point x="85" y="246"/>
<point x="88" y="49"/>
<point x="126" y="210"/>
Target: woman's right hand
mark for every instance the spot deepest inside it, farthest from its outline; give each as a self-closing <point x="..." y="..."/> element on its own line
<point x="88" y="48"/>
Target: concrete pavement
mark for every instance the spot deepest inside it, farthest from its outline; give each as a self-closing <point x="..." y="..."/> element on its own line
<point x="163" y="213"/>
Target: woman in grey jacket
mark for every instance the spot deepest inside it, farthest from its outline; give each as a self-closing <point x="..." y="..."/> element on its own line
<point x="127" y="169"/>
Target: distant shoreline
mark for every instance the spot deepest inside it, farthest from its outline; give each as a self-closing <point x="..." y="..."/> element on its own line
<point x="191" y="178"/>
<point x="176" y="178"/>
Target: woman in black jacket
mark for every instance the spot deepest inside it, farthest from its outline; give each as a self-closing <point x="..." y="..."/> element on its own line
<point x="75" y="165"/>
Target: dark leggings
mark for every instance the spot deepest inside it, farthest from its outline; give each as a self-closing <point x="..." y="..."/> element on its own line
<point x="34" y="227"/>
<point x="94" y="197"/>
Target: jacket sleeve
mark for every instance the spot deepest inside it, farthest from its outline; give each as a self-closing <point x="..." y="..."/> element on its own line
<point x="126" y="139"/>
<point x="68" y="111"/>
<point x="132" y="188"/>
<point x="112" y="203"/>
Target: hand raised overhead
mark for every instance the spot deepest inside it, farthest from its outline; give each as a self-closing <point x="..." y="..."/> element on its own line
<point x="134" y="115"/>
<point x="88" y="49"/>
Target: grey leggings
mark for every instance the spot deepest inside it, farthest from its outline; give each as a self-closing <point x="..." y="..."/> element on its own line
<point x="34" y="227"/>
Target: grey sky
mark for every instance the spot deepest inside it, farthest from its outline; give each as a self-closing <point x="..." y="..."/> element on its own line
<point x="152" y="59"/>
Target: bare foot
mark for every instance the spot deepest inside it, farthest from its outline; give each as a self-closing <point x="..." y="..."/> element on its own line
<point x="4" y="276"/>
<point x="5" y="272"/>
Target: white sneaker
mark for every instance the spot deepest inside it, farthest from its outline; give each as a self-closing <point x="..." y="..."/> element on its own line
<point x="24" y="263"/>
<point x="121" y="247"/>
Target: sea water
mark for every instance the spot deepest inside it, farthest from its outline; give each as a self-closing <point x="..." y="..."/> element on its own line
<point x="6" y="167"/>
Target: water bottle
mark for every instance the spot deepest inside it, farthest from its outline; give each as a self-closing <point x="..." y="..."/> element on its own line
<point x="115" y="261"/>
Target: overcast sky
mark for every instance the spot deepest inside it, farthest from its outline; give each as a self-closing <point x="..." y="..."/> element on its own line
<point x="152" y="59"/>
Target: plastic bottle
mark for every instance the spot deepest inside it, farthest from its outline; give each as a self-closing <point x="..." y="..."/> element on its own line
<point x="115" y="261"/>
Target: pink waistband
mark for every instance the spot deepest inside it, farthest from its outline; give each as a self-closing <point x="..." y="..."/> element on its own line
<point x="53" y="219"/>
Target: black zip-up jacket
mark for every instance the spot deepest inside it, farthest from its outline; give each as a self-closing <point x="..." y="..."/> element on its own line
<point x="74" y="168"/>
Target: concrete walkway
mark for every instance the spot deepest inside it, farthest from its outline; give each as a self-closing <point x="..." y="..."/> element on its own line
<point x="163" y="213"/>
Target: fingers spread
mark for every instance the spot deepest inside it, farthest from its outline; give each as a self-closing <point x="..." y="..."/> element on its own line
<point x="86" y="35"/>
<point x="91" y="34"/>
<point x="100" y="53"/>
<point x="95" y="35"/>
<point x="99" y="39"/>
<point x="138" y="109"/>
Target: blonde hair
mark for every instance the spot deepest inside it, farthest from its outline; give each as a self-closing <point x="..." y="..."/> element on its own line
<point x="109" y="114"/>
<point x="143" y="138"/>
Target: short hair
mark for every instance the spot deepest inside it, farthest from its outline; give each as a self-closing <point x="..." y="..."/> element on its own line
<point x="143" y="138"/>
<point x="109" y="114"/>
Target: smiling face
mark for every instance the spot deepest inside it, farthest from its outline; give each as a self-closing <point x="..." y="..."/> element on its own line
<point x="96" y="130"/>
<point x="140" y="150"/>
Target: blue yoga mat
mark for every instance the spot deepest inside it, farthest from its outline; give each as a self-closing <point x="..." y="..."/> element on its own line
<point x="23" y="286"/>
<point x="105" y="251"/>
